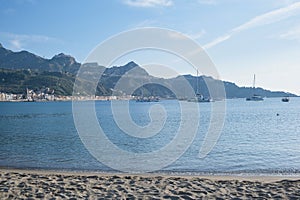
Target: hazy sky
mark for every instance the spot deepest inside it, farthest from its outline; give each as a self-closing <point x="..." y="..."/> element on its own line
<point x="242" y="37"/>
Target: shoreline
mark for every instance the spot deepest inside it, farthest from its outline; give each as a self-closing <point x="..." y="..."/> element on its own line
<point x="207" y="175"/>
<point x="47" y="184"/>
<point x="263" y="177"/>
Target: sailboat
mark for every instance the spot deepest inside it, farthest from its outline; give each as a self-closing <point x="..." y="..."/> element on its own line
<point x="254" y="97"/>
<point x="199" y="97"/>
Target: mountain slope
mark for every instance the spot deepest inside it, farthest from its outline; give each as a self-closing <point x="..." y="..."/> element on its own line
<point x="17" y="81"/>
<point x="27" y="60"/>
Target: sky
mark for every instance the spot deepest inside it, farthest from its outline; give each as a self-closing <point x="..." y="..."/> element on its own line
<point x="241" y="37"/>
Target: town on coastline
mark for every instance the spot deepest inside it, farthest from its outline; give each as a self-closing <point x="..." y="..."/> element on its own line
<point x="47" y="94"/>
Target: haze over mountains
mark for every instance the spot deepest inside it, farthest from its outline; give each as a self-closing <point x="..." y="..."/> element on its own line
<point x="21" y="70"/>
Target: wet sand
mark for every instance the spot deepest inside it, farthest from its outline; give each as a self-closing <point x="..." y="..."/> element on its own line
<point x="36" y="184"/>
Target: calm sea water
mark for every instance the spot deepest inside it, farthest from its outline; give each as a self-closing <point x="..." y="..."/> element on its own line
<point x="254" y="138"/>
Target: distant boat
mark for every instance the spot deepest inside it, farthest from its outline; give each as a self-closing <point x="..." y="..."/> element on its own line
<point x="147" y="99"/>
<point x="285" y="99"/>
<point x="199" y="97"/>
<point x="254" y="97"/>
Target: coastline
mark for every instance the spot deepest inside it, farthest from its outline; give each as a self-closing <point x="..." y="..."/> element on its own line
<point x="262" y="177"/>
<point x="68" y="98"/>
<point x="47" y="184"/>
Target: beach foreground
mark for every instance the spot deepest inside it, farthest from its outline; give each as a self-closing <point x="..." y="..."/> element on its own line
<point x="24" y="184"/>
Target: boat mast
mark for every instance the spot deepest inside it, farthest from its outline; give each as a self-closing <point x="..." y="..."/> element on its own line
<point x="197" y="84"/>
<point x="253" y="88"/>
<point x="142" y="88"/>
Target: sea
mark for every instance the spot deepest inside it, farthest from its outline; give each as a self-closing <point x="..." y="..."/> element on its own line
<point x="256" y="137"/>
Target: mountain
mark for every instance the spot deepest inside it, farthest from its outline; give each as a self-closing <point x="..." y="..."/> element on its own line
<point x="120" y="71"/>
<point x="62" y="62"/>
<point x="21" y="70"/>
<point x="27" y="60"/>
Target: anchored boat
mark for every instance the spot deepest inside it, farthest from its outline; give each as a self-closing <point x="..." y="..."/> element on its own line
<point x="254" y="97"/>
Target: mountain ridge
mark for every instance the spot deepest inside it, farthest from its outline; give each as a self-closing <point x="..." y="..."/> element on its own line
<point x="27" y="60"/>
<point x="59" y="73"/>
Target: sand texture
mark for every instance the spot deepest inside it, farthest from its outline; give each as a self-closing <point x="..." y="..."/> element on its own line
<point x="50" y="185"/>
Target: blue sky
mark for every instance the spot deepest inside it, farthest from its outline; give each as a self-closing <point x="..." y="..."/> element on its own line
<point x="242" y="37"/>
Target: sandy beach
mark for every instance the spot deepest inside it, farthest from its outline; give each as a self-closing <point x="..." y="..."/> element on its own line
<point x="36" y="184"/>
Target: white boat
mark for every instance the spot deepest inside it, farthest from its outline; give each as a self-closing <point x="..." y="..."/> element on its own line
<point x="199" y="97"/>
<point x="254" y="97"/>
